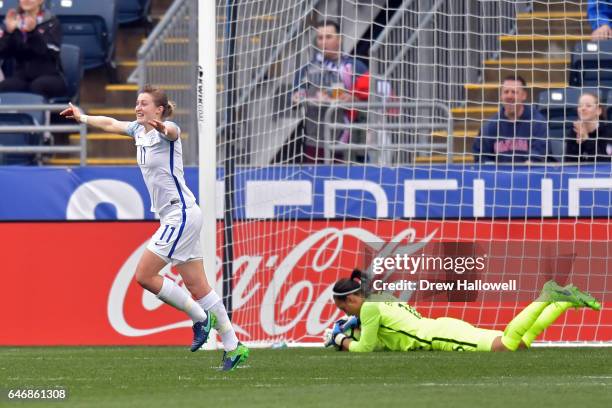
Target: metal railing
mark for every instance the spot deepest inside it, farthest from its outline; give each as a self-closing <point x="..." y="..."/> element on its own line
<point x="392" y="134"/>
<point x="260" y="70"/>
<point x="77" y="127"/>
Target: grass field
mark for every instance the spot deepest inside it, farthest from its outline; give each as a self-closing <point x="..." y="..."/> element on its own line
<point x="174" y="377"/>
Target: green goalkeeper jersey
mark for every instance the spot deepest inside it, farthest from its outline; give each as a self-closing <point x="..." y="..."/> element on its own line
<point x="399" y="327"/>
<point x="390" y="323"/>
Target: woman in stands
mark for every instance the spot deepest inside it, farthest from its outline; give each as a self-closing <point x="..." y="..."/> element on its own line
<point x="32" y="37"/>
<point x="396" y="326"/>
<point x="177" y="240"/>
<point x="590" y="139"/>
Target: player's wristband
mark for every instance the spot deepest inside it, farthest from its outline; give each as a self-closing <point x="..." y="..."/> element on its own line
<point x="83" y="119"/>
<point x="339" y="338"/>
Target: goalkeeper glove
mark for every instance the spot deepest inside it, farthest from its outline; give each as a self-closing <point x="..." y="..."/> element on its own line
<point x="352" y="323"/>
<point x="330" y="334"/>
<point x="335" y="336"/>
<point x="335" y="340"/>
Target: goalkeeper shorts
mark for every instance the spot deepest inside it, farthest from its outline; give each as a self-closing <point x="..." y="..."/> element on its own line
<point x="448" y="334"/>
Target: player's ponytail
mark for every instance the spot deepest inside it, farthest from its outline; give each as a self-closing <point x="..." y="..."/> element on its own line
<point x="169" y="109"/>
<point x="345" y="287"/>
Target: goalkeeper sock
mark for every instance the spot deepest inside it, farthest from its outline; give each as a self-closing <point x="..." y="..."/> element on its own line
<point x="172" y="294"/>
<point x="212" y="303"/>
<point x="520" y="324"/>
<point x="546" y="318"/>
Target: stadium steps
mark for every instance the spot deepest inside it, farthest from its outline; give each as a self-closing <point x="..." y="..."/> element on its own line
<point x="125" y="67"/>
<point x="553" y="22"/>
<point x="531" y="73"/>
<point x="540" y="45"/>
<point x="96" y="99"/>
<point x="539" y="52"/>
<point x="119" y="97"/>
<point x="518" y="63"/>
<point x="92" y="161"/>
<point x="123" y="95"/>
<point x="556" y="6"/>
<point x="462" y="141"/>
<point x="456" y="134"/>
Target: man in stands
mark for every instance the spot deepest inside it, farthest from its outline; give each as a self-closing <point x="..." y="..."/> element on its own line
<point x="329" y="76"/>
<point x="517" y="133"/>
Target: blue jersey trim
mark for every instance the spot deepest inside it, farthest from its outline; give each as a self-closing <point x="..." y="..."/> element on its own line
<point x="178" y="187"/>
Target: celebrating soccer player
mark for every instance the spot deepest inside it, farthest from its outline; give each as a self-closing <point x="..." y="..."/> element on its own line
<point x="399" y="327"/>
<point x="177" y="240"/>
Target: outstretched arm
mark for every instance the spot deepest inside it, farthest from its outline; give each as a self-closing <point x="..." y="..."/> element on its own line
<point x="167" y="129"/>
<point x="101" y="122"/>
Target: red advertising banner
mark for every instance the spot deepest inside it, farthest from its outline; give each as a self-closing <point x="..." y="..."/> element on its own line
<point x="71" y="283"/>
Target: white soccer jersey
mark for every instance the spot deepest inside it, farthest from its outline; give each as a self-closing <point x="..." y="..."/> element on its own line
<point x="161" y="163"/>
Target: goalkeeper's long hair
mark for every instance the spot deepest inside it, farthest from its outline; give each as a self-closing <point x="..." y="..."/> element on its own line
<point x="352" y="285"/>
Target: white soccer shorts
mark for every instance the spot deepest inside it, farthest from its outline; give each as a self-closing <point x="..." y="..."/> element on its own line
<point x="178" y="238"/>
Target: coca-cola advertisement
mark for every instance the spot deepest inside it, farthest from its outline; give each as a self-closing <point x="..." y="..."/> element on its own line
<point x="73" y="283"/>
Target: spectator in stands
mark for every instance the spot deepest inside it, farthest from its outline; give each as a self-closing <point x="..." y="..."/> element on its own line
<point x="589" y="139"/>
<point x="32" y="36"/>
<point x="329" y="76"/>
<point x="517" y="134"/>
<point x="599" y="13"/>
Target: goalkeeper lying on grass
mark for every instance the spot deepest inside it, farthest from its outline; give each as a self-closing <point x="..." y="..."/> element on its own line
<point x="397" y="326"/>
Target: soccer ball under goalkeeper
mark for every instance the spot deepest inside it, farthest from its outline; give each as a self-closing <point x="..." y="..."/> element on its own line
<point x="353" y="333"/>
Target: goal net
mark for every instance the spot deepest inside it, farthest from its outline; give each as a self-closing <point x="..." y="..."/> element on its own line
<point x="337" y="150"/>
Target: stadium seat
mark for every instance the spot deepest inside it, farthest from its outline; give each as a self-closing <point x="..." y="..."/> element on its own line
<point x="20" y="118"/>
<point x="559" y="107"/>
<point x="72" y="63"/>
<point x="6" y="5"/>
<point x="133" y="10"/>
<point x="592" y="64"/>
<point x="90" y="25"/>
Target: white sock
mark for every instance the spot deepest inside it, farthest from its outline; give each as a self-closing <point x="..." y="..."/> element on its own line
<point x="172" y="294"/>
<point x="212" y="302"/>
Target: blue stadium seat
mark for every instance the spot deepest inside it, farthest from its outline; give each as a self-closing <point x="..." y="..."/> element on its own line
<point x="72" y="63"/>
<point x="592" y="64"/>
<point x="20" y="118"/>
<point x="133" y="10"/>
<point x="90" y="25"/>
<point x="559" y="107"/>
<point x="6" y="5"/>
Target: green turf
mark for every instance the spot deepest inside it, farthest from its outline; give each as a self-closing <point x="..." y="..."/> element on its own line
<point x="173" y="377"/>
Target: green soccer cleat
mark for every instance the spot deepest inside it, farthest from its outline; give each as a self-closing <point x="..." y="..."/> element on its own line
<point x="552" y="292"/>
<point x="232" y="359"/>
<point x="584" y="299"/>
<point x="201" y="331"/>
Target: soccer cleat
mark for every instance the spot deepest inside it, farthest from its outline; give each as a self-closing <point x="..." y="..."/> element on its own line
<point x="552" y="292"/>
<point x="201" y="330"/>
<point x="584" y="299"/>
<point x="231" y="359"/>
